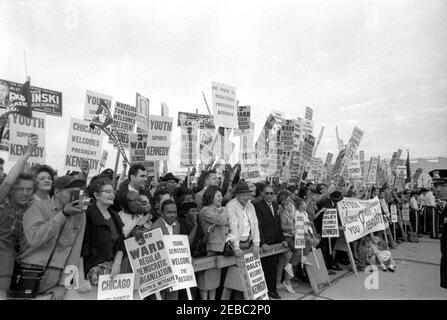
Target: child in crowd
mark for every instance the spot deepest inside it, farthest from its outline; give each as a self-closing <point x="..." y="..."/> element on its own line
<point x="382" y="256"/>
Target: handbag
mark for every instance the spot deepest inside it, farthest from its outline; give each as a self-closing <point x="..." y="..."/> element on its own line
<point x="25" y="281"/>
<point x="228" y="249"/>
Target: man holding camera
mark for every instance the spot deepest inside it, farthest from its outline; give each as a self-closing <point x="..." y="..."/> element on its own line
<point x="58" y="223"/>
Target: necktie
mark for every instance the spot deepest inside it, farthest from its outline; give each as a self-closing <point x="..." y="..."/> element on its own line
<point x="271" y="209"/>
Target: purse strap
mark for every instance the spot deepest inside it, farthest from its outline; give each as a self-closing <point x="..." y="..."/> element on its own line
<point x="54" y="249"/>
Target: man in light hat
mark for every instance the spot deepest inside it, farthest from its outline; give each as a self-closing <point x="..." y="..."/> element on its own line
<point x="42" y="224"/>
<point x="440" y="188"/>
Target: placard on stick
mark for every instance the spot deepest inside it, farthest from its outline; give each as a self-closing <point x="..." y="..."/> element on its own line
<point x="120" y="288"/>
<point x="317" y="271"/>
<point x="252" y="277"/>
<point x="330" y="224"/>
<point x="150" y="261"/>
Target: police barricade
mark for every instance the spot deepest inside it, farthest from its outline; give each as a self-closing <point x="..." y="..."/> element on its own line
<point x="199" y="264"/>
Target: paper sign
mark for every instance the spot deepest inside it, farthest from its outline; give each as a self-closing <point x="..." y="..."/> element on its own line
<point x="159" y="138"/>
<point x="195" y="120"/>
<point x="330" y="224"/>
<point x="120" y="288"/>
<point x="206" y="144"/>
<point x="124" y="122"/>
<point x="300" y="241"/>
<point x="188" y="147"/>
<point x="180" y="253"/>
<point x="252" y="277"/>
<point x="42" y="100"/>
<point x="224" y="106"/>
<point x="138" y="145"/>
<point x="20" y="128"/>
<point x="243" y="115"/>
<point x="84" y="143"/>
<point x="150" y="261"/>
<point x="406" y="211"/>
<point x="393" y="210"/>
<point x="92" y="102"/>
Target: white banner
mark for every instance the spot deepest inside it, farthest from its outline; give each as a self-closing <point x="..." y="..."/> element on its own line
<point x="120" y="288"/>
<point x="83" y="144"/>
<point x="159" y="138"/>
<point x="20" y="127"/>
<point x="180" y="253"/>
<point x="224" y="105"/>
<point x="360" y="217"/>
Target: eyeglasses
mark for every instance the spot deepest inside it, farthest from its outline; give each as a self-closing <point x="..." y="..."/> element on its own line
<point x="268" y="193"/>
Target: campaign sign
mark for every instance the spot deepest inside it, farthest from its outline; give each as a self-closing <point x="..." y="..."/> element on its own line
<point x="42" y="100"/>
<point x="330" y="224"/>
<point x="300" y="240"/>
<point x="84" y="143"/>
<point x="180" y="253"/>
<point x="20" y="128"/>
<point x="252" y="276"/>
<point x="393" y="210"/>
<point x="151" y="262"/>
<point x="120" y="288"/>
<point x="159" y="138"/>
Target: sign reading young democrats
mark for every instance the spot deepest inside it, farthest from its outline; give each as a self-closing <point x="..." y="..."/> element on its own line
<point x="180" y="253"/>
<point x="159" y="138"/>
<point x="224" y="106"/>
<point x="360" y="217"/>
<point x="151" y="262"/>
<point x="20" y="128"/>
<point x="84" y="143"/>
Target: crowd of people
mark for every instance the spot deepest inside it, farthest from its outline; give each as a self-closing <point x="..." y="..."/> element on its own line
<point x="82" y="220"/>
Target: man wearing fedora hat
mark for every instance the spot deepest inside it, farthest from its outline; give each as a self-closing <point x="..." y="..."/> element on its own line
<point x="328" y="203"/>
<point x="439" y="179"/>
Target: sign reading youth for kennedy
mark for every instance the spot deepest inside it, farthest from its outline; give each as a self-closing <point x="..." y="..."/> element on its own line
<point x="151" y="262"/>
<point x="159" y="138"/>
<point x="93" y="101"/>
<point x="20" y="128"/>
<point x="224" y="106"/>
<point x="42" y="100"/>
<point x="84" y="143"/>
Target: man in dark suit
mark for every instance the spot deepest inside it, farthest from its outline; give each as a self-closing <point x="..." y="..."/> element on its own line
<point x="439" y="177"/>
<point x="169" y="226"/>
<point x="269" y="224"/>
<point x="327" y="203"/>
<point x="137" y="180"/>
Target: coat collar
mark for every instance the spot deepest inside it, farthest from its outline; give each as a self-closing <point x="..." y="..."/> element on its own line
<point x="97" y="218"/>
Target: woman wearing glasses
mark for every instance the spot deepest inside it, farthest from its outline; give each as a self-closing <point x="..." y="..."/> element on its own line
<point x="103" y="246"/>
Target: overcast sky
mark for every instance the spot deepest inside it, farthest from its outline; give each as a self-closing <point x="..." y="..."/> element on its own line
<point x="380" y="65"/>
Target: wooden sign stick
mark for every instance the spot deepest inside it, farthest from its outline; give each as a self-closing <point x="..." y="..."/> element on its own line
<point x="316" y="259"/>
<point x="188" y="292"/>
<point x="158" y="295"/>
